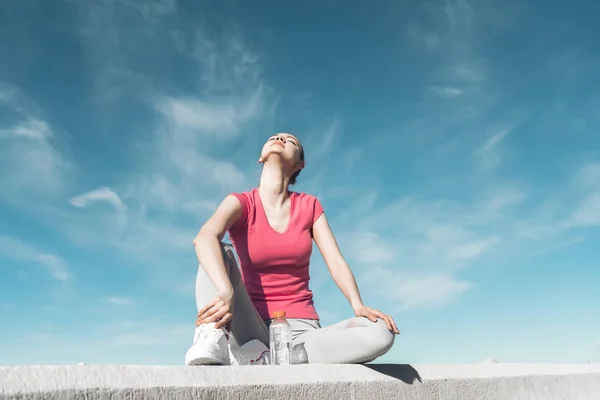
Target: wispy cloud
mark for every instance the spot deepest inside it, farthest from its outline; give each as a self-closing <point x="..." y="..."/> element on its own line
<point x="29" y="129"/>
<point x="200" y="206"/>
<point x="231" y="95"/>
<point x="325" y="139"/>
<point x="420" y="245"/>
<point x="56" y="266"/>
<point x="114" y="36"/>
<point x="120" y="301"/>
<point x="415" y="242"/>
<point x="429" y="40"/>
<point x="588" y="175"/>
<point x="23" y="252"/>
<point x="103" y="194"/>
<point x="489" y="153"/>
<point x="367" y="248"/>
<point x="446" y="91"/>
<point x="587" y="213"/>
<point x="26" y="149"/>
<point x="494" y="140"/>
<point x="175" y="171"/>
<point x="210" y="118"/>
<point x="576" y="206"/>
<point x="416" y="290"/>
<point x="152" y="10"/>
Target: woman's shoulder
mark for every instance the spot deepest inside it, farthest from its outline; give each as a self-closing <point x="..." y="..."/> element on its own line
<point x="309" y="204"/>
<point x="246" y="193"/>
<point x="246" y="197"/>
<point x="305" y="197"/>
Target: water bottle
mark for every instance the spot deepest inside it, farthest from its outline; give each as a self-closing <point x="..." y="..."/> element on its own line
<point x="280" y="336"/>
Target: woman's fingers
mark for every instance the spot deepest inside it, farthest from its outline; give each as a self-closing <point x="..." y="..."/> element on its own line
<point x="218" y="314"/>
<point x="224" y="321"/>
<point x="213" y="312"/>
<point x="207" y="307"/>
<point x="388" y="320"/>
<point x="394" y="325"/>
<point x="370" y="315"/>
<point x="208" y="312"/>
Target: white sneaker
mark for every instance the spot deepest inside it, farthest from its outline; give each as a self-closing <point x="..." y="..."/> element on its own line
<point x="210" y="346"/>
<point x="252" y="353"/>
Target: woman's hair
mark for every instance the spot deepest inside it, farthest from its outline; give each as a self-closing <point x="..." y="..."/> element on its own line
<point x="293" y="179"/>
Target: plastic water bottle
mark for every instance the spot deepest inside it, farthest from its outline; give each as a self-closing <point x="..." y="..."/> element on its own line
<point x="280" y="336"/>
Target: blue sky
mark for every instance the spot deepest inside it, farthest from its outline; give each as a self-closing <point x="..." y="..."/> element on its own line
<point x="453" y="144"/>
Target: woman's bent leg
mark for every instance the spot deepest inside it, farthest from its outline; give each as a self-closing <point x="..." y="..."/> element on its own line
<point x="353" y="341"/>
<point x="246" y="323"/>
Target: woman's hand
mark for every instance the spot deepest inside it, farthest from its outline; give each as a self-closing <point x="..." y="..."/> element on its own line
<point x="372" y="314"/>
<point x="219" y="310"/>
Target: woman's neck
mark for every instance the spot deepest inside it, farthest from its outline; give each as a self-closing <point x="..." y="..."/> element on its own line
<point x="273" y="186"/>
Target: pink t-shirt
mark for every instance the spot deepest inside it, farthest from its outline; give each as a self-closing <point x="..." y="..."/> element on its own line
<point x="275" y="265"/>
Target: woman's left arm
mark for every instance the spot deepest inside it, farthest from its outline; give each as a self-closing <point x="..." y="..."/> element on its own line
<point x="341" y="273"/>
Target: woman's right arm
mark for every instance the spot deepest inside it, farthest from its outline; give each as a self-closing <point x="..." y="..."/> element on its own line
<point x="207" y="244"/>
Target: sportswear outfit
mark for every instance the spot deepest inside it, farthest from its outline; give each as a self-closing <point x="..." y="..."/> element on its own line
<point x="273" y="275"/>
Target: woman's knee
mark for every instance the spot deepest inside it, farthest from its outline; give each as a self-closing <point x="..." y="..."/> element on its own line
<point x="385" y="335"/>
<point x="381" y="337"/>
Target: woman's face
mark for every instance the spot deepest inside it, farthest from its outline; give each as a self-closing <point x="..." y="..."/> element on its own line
<point x="285" y="145"/>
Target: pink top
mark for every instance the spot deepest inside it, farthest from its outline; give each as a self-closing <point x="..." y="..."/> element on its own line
<point x="275" y="265"/>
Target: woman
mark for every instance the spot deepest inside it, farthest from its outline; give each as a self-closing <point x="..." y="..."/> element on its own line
<point x="272" y="229"/>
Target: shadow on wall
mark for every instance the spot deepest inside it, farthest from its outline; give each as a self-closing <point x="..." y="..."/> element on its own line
<point x="405" y="372"/>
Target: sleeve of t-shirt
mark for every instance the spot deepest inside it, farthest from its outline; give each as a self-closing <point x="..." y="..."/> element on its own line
<point x="245" y="210"/>
<point x="318" y="210"/>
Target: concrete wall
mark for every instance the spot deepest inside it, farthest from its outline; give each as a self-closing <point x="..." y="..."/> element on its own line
<point x="432" y="382"/>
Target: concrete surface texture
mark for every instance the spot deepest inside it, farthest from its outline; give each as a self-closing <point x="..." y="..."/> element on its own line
<point x="374" y="381"/>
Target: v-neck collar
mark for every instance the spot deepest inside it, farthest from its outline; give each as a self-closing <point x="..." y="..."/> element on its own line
<point x="264" y="214"/>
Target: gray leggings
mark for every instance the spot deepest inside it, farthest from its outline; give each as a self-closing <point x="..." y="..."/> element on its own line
<point x="355" y="340"/>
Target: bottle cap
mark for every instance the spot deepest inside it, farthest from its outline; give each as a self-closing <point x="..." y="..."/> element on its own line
<point x="278" y="314"/>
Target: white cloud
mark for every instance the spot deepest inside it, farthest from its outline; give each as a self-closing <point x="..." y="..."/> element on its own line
<point x="209" y="117"/>
<point x="114" y="35"/>
<point x="429" y="40"/>
<point x="232" y="95"/>
<point x="200" y="206"/>
<point x="426" y="242"/>
<point x="504" y="197"/>
<point x="588" y="175"/>
<point x="575" y="206"/>
<point x="56" y="266"/>
<point x="31" y="163"/>
<point x="489" y="153"/>
<point x="494" y="140"/>
<point x="102" y="194"/>
<point x="366" y="247"/>
<point x="460" y="13"/>
<point x="587" y="213"/>
<point x="446" y="91"/>
<point x="472" y="250"/>
<point x="325" y="140"/>
<point x="21" y="251"/>
<point x="29" y="129"/>
<point x="153" y="10"/>
<point x="176" y="168"/>
<point x="120" y="301"/>
<point x="415" y="290"/>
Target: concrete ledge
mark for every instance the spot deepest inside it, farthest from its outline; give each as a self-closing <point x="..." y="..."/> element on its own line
<point x="375" y="381"/>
